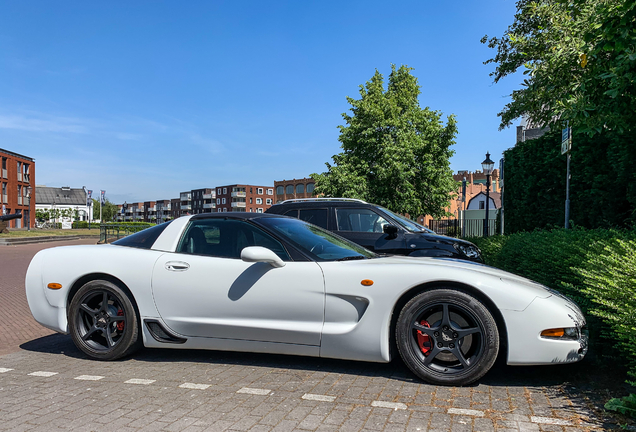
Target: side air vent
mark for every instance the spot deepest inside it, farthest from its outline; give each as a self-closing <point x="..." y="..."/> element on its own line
<point x="161" y="334"/>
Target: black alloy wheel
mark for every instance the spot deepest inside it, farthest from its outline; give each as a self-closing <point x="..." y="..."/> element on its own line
<point x="103" y="322"/>
<point x="446" y="336"/>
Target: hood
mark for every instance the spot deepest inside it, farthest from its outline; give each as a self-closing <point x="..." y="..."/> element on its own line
<point x="456" y="264"/>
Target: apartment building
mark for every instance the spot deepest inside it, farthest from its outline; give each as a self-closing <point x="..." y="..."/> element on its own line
<point x="203" y="200"/>
<point x="186" y="203"/>
<point x="244" y="198"/>
<point x="175" y="208"/>
<point x="17" y="178"/>
<point x="295" y="188"/>
<point x="163" y="211"/>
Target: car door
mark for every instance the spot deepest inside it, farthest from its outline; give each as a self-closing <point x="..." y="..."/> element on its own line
<point x="204" y="289"/>
<point x="365" y="227"/>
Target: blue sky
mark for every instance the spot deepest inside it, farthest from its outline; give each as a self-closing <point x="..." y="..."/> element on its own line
<point x="145" y="99"/>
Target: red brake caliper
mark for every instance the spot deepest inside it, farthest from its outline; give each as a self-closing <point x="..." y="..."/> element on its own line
<point x="423" y="340"/>
<point x="120" y="324"/>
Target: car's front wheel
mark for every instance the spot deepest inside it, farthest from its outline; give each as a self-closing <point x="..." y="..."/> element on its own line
<point x="102" y="321"/>
<point x="448" y="337"/>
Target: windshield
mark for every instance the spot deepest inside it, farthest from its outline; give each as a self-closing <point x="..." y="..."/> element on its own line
<point x="320" y="244"/>
<point x="407" y="224"/>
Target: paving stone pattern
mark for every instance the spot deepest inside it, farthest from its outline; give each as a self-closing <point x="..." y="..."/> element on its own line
<point x="46" y="384"/>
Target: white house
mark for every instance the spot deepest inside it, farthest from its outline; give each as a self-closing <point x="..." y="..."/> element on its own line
<point x="62" y="198"/>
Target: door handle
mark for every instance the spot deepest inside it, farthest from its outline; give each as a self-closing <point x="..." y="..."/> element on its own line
<point x="177" y="266"/>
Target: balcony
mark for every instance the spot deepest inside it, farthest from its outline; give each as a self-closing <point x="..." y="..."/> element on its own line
<point x="238" y="204"/>
<point x="152" y="209"/>
<point x="209" y="196"/>
<point x="4" y="199"/>
<point x="185" y="196"/>
<point x="209" y="206"/>
<point x="4" y="173"/>
<point x="19" y="176"/>
<point x="186" y="207"/>
<point x="238" y="194"/>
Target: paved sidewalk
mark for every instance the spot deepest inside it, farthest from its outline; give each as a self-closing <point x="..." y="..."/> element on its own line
<point x="17" y="325"/>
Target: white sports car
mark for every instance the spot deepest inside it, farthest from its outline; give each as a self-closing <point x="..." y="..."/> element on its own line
<point x="269" y="283"/>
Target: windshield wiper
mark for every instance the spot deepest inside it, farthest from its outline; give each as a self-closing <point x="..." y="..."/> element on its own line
<point x="350" y="258"/>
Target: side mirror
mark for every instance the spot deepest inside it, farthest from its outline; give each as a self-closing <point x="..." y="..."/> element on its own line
<point x="390" y="230"/>
<point x="261" y="254"/>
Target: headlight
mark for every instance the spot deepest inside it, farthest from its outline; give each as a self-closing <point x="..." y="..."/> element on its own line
<point x="469" y="250"/>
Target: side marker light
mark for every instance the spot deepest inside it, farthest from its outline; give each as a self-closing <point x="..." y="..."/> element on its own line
<point x="557" y="332"/>
<point x="367" y="282"/>
<point x="54" y="286"/>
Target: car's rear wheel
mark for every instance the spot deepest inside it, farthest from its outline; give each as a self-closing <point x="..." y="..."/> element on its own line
<point x="103" y="322"/>
<point x="446" y="336"/>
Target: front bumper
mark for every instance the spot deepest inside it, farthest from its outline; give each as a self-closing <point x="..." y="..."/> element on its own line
<point x="525" y="344"/>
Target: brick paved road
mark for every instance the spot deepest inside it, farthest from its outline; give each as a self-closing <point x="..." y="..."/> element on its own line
<point x="46" y="384"/>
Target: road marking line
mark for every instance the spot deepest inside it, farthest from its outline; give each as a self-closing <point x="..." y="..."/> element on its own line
<point x="393" y="405"/>
<point x="3" y="370"/>
<point x="550" y="420"/>
<point x="317" y="397"/>
<point x="194" y="386"/>
<point x="469" y="412"/>
<point x="89" y="377"/>
<point x="43" y="374"/>
<point x="139" y="381"/>
<point x="254" y="391"/>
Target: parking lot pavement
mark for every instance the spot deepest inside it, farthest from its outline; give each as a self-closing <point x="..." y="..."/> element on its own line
<point x="46" y="384"/>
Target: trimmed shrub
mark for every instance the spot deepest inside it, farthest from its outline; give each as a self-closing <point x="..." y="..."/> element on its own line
<point x="596" y="268"/>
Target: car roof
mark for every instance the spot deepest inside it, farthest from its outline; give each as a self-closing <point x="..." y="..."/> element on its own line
<point x="323" y="203"/>
<point x="234" y="215"/>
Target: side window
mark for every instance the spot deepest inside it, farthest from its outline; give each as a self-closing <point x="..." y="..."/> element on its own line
<point x="315" y="216"/>
<point x="360" y="220"/>
<point x="292" y="213"/>
<point x="226" y="238"/>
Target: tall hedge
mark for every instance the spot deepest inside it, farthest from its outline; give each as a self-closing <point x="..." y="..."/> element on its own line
<point x="602" y="187"/>
<point x="596" y="268"/>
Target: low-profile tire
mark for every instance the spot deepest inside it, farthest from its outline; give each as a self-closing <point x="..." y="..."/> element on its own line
<point x="447" y="337"/>
<point x="103" y="321"/>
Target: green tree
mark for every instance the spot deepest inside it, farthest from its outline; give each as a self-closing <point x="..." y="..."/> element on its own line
<point x="108" y="212"/>
<point x="579" y="57"/>
<point x="395" y="153"/>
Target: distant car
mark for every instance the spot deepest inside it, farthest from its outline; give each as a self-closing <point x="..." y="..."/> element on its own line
<point x="268" y="283"/>
<point x="376" y="228"/>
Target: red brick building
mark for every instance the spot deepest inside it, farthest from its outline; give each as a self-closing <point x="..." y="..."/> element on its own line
<point x="247" y="198"/>
<point x="17" y="188"/>
<point x="292" y="189"/>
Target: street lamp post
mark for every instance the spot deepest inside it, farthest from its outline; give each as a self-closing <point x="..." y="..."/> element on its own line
<point x="487" y="166"/>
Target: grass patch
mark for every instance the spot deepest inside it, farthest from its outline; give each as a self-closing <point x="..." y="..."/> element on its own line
<point x="51" y="232"/>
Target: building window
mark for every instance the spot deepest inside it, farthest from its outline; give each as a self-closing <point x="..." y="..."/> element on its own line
<point x="250" y="200"/>
<point x="223" y="201"/>
<point x="251" y="210"/>
<point x="259" y="200"/>
<point x="280" y="190"/>
<point x="300" y="188"/>
<point x="218" y="200"/>
<point x="289" y="190"/>
<point x="259" y="210"/>
<point x="224" y="191"/>
<point x="218" y="191"/>
<point x="268" y="201"/>
<point x="310" y="188"/>
<point x="259" y="191"/>
<point x="270" y="191"/>
<point x="482" y="205"/>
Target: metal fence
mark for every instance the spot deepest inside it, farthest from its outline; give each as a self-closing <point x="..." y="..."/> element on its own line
<point x="471" y="227"/>
<point x="111" y="232"/>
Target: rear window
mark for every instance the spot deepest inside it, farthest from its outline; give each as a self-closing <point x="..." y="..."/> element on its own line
<point x="143" y="239"/>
